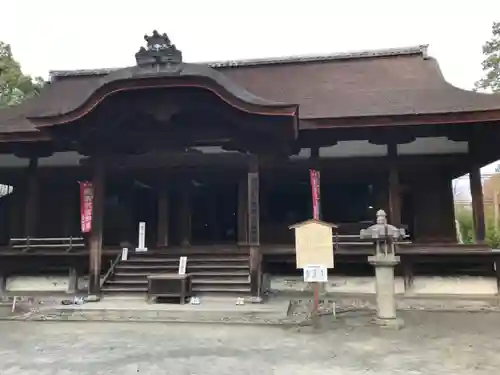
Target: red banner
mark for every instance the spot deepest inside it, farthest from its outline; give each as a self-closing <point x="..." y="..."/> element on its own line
<point x="86" y="198"/>
<point x="315" y="184"/>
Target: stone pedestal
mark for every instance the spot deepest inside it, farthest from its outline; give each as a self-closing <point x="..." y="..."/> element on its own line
<point x="385" y="288"/>
<point x="3" y="287"/>
<point x="72" y="281"/>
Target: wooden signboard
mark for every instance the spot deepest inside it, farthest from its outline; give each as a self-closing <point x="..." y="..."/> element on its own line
<point x="314" y="243"/>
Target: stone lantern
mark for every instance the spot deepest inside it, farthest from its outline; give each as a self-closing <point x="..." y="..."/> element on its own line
<point x="385" y="236"/>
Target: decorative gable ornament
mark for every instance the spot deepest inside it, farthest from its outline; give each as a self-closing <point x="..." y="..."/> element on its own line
<point x="159" y="52"/>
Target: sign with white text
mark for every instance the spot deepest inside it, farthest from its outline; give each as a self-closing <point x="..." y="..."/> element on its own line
<point x="182" y="265"/>
<point x="315" y="274"/>
<point x="141" y="242"/>
<point x="86" y="200"/>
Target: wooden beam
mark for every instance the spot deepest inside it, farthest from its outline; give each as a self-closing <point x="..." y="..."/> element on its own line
<point x="394" y="187"/>
<point x="476" y="189"/>
<point x="213" y="224"/>
<point x="243" y="212"/>
<point x="31" y="207"/>
<point x="95" y="241"/>
<point x="254" y="227"/>
<point x="185" y="216"/>
<point x="69" y="209"/>
<point x="496" y="209"/>
<point x="163" y="211"/>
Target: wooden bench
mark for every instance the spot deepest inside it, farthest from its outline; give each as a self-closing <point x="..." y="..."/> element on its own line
<point x="169" y="285"/>
<point x="65" y="244"/>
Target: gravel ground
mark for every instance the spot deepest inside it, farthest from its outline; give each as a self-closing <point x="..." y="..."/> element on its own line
<point x="431" y="343"/>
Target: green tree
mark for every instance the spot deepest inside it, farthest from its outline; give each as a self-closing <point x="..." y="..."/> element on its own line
<point x="465" y="225"/>
<point x="491" y="63"/>
<point x="14" y="85"/>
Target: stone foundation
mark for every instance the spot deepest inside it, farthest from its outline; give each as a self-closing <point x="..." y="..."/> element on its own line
<point x="422" y="286"/>
<point x="42" y="284"/>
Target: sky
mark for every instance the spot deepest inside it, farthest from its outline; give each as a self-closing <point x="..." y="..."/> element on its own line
<point x="60" y="34"/>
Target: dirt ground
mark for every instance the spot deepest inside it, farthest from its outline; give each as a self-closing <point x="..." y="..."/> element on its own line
<point x="431" y="343"/>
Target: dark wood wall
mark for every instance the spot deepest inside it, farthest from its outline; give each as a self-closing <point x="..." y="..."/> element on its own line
<point x="434" y="216"/>
<point x="427" y="201"/>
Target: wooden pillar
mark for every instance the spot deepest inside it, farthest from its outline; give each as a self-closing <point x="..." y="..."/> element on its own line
<point x="476" y="190"/>
<point x="394" y="189"/>
<point x="69" y="210"/>
<point x="254" y="227"/>
<point x="31" y="208"/>
<point x="243" y="212"/>
<point x="185" y="216"/>
<point x="163" y="210"/>
<point x="95" y="240"/>
<point x="496" y="209"/>
<point x="15" y="210"/>
<point x="213" y="222"/>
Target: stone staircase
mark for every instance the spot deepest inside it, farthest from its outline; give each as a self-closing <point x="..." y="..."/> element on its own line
<point x="226" y="273"/>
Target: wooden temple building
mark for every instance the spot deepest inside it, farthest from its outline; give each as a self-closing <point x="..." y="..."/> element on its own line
<point x="214" y="158"/>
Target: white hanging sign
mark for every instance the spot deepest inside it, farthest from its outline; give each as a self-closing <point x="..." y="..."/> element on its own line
<point x="182" y="265"/>
<point x="315" y="273"/>
<point x="141" y="243"/>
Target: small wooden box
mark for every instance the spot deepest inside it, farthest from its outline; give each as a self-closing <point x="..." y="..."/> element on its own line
<point x="169" y="285"/>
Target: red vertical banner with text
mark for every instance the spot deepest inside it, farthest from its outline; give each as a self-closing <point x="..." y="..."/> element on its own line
<point x="86" y="199"/>
<point x="316" y="197"/>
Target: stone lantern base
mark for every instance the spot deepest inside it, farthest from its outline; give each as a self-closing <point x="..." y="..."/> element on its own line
<point x="396" y="323"/>
<point x="386" y="301"/>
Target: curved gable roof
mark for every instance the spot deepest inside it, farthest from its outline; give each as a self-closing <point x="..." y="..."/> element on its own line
<point x="67" y="95"/>
<point x="390" y="82"/>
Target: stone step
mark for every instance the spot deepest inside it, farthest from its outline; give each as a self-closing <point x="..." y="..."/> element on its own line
<point x="190" y="268"/>
<point x="121" y="289"/>
<point x="190" y="253"/>
<point x="194" y="267"/>
<point x="128" y="282"/>
<point x="221" y="289"/>
<point x="204" y="274"/>
<point x="190" y="260"/>
<point x="220" y="274"/>
<point x="221" y="281"/>
<point x="146" y="268"/>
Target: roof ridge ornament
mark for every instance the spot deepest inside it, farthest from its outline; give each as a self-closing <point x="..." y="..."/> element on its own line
<point x="159" y="52"/>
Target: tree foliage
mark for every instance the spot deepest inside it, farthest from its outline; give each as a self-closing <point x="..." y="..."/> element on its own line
<point x="14" y="85"/>
<point x="463" y="214"/>
<point x="491" y="62"/>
